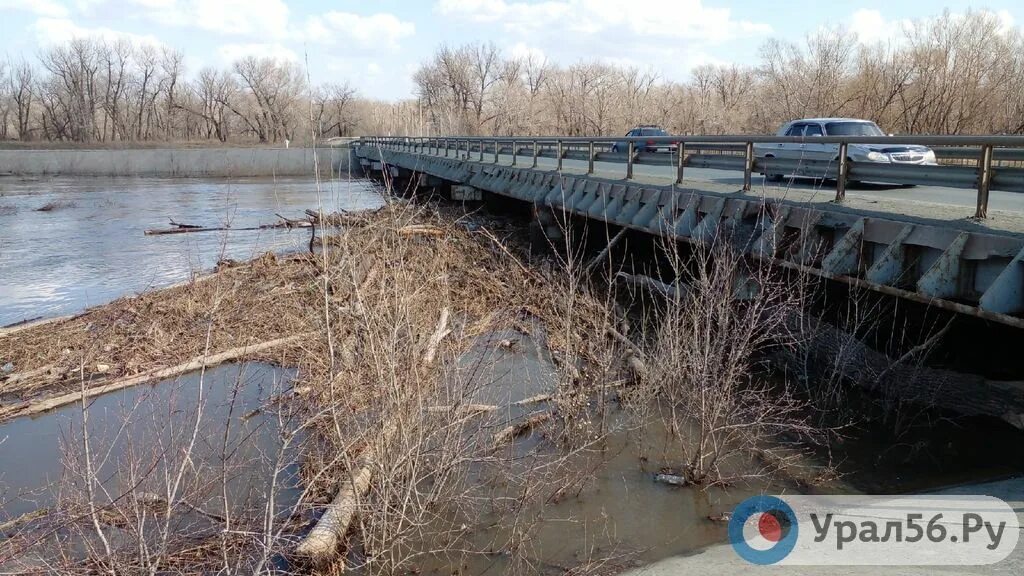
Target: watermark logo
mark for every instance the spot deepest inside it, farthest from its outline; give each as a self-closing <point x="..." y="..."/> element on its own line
<point x="874" y="530"/>
<point x="763" y="529"/>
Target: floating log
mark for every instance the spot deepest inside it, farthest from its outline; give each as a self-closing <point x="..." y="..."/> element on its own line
<point x="191" y="228"/>
<point x="30" y="408"/>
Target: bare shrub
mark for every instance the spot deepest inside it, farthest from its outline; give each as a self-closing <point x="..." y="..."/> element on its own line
<point x="703" y="363"/>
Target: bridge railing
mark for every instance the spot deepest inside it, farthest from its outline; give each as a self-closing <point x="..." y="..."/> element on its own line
<point x="982" y="163"/>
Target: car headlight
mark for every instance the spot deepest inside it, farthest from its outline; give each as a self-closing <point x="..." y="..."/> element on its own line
<point x="877" y="157"/>
<point x="929" y="157"/>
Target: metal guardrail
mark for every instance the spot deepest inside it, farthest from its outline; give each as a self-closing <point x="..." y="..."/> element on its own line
<point x="737" y="153"/>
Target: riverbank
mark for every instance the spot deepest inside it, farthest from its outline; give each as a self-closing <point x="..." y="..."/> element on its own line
<point x="176" y="162"/>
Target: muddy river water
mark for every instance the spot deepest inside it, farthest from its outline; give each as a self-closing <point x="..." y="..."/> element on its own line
<point x="90" y="247"/>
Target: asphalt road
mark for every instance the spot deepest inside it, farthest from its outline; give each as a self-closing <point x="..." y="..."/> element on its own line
<point x="933" y="205"/>
<point x="998" y="200"/>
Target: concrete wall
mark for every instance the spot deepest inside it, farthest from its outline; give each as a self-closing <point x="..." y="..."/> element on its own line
<point x="174" y="162"/>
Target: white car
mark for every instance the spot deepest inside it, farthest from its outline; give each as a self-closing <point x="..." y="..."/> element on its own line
<point x="809" y="127"/>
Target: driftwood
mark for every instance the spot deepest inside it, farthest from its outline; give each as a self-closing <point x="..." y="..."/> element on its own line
<point x="189" y="228"/>
<point x="439" y="334"/>
<point x="596" y="260"/>
<point x="670" y="291"/>
<point x="33" y="323"/>
<point x="482" y="408"/>
<point x="321" y="544"/>
<point x="508" y="433"/>
<point x="827" y="349"/>
<point x="421" y="230"/>
<point x="198" y="363"/>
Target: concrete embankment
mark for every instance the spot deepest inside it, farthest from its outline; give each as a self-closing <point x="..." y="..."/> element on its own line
<point x="174" y="162"/>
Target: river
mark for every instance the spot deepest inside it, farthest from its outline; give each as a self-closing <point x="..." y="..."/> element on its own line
<point x="90" y="248"/>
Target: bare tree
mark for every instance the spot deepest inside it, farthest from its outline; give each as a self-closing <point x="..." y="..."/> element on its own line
<point x="21" y="82"/>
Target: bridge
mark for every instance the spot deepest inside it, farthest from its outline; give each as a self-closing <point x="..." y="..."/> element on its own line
<point x="955" y="241"/>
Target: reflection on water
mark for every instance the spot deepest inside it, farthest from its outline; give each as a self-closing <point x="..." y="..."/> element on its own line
<point x="91" y="248"/>
<point x="139" y="434"/>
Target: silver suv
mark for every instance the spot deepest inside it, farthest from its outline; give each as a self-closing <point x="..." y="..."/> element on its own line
<point x="810" y="127"/>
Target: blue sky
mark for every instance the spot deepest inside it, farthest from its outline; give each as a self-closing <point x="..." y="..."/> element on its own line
<point x="376" y="45"/>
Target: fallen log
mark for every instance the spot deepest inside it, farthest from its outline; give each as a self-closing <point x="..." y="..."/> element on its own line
<point x="8" y="526"/>
<point x="670" y="291"/>
<point x="596" y="260"/>
<point x="321" y="544"/>
<point x="508" y="433"/>
<point x="420" y="230"/>
<point x="198" y="363"/>
<point x="439" y="334"/>
<point x="827" y="350"/>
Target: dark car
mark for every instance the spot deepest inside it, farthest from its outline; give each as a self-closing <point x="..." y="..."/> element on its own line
<point x="646" y="146"/>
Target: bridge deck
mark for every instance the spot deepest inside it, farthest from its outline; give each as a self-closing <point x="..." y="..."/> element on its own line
<point x="891" y="239"/>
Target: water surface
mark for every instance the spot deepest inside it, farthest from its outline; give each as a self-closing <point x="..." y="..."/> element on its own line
<point x="91" y="248"/>
<point x="138" y="434"/>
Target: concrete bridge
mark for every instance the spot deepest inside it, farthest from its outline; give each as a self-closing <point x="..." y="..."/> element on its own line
<point x="954" y="241"/>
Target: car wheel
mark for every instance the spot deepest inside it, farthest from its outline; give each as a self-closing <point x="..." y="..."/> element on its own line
<point x="771" y="176"/>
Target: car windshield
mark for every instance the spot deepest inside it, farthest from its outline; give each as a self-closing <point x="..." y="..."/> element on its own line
<point x="853" y="129"/>
<point x="653" y="132"/>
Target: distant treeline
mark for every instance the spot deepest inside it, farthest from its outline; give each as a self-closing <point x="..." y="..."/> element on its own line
<point x="954" y="74"/>
<point x="951" y="74"/>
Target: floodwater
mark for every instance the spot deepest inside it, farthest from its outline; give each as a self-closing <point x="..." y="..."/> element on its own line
<point x="91" y="248"/>
<point x="139" y="434"/>
<point x="599" y="509"/>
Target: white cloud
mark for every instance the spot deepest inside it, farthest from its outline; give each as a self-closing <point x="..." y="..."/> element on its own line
<point x="522" y="51"/>
<point x="870" y="27"/>
<point x="678" y="19"/>
<point x="375" y="30"/>
<point x="229" y="53"/>
<point x="52" y="31"/>
<point x="248" y="17"/>
<point x="49" y="8"/>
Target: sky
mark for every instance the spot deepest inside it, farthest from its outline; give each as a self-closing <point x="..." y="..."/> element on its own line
<point x="376" y="46"/>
